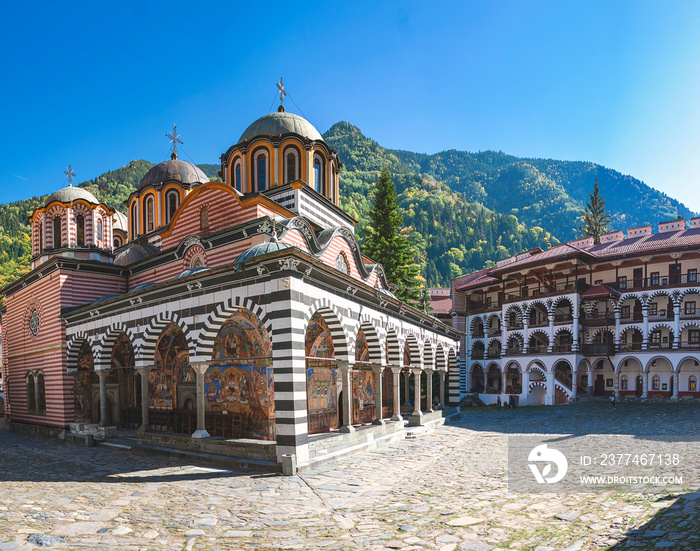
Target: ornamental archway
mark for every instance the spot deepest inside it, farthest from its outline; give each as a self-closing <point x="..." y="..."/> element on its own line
<point x="86" y="387"/>
<point x="123" y="384"/>
<point x="239" y="383"/>
<point x="321" y="379"/>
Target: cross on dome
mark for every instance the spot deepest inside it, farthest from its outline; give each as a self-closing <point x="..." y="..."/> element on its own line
<point x="70" y="175"/>
<point x="174" y="140"/>
<point x="283" y="92"/>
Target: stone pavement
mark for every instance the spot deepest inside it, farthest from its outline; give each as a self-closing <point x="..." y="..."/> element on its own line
<point x="445" y="491"/>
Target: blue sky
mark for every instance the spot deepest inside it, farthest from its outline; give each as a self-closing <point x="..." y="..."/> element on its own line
<point x="98" y="84"/>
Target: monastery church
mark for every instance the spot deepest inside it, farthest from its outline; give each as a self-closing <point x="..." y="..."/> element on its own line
<point x="239" y="311"/>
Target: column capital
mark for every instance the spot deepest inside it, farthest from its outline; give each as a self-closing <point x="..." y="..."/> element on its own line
<point x="199" y="368"/>
<point x="417" y="371"/>
<point x="102" y="373"/>
<point x="395" y="368"/>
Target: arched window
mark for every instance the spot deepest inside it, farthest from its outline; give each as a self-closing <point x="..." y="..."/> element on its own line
<point x="197" y="262"/>
<point x="98" y="230"/>
<point x="134" y="220"/>
<point x="291" y="164"/>
<point x="172" y="198"/>
<point x="40" y="392"/>
<point x="117" y="242"/>
<point x="693" y="383"/>
<point x="623" y="382"/>
<point x="80" y="230"/>
<point x="204" y="218"/>
<point x="261" y="170"/>
<point x="41" y="236"/>
<point x="237" y="176"/>
<point x="148" y="214"/>
<point x="56" y="232"/>
<point x="317" y="175"/>
<point x="656" y="383"/>
<point x="31" y="392"/>
<point x="341" y="264"/>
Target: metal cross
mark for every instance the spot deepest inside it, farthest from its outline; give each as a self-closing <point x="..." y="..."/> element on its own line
<point x="280" y="87"/>
<point x="174" y="140"/>
<point x="70" y="175"/>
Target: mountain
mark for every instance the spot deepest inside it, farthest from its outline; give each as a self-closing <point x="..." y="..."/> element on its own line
<point x="463" y="210"/>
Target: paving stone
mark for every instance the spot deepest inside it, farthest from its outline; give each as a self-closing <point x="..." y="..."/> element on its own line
<point x="237" y="534"/>
<point x="465" y="521"/>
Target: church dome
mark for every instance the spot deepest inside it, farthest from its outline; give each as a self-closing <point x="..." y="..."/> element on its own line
<point x="174" y="169"/>
<point x="277" y="124"/>
<point x="70" y="194"/>
<point x="121" y="222"/>
<point x="134" y="252"/>
<point x="261" y="250"/>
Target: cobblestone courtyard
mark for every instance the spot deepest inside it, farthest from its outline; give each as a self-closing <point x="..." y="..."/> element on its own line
<point x="445" y="491"/>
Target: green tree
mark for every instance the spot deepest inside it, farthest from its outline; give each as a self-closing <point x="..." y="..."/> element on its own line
<point x="596" y="220"/>
<point x="386" y="243"/>
<point x="424" y="301"/>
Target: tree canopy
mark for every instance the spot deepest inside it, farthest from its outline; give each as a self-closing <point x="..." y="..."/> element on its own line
<point x="595" y="219"/>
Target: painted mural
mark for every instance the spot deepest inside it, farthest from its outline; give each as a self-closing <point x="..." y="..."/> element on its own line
<point x="387" y="393"/>
<point x="123" y="375"/>
<point x="172" y="366"/>
<point x="321" y="381"/>
<point x="240" y="383"/>
<point x="406" y="356"/>
<point x="362" y="383"/>
<point x="84" y="380"/>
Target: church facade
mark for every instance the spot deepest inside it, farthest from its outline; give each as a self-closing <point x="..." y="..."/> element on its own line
<point x="233" y="309"/>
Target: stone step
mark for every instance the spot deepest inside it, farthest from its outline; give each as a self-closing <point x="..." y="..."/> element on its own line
<point x="190" y="456"/>
<point x="417" y="432"/>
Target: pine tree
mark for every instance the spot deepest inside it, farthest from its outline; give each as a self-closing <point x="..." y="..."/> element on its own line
<point x="596" y="220"/>
<point x="386" y="244"/>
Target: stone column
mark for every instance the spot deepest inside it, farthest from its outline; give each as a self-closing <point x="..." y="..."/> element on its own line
<point x="674" y="396"/>
<point x="525" y="390"/>
<point x="346" y="384"/>
<point x="526" y="334"/>
<point x="618" y="315"/>
<point x="406" y="380"/>
<point x="549" y="397"/>
<point x="378" y="394"/>
<point x="102" y="374"/>
<point x="590" y="382"/>
<point x="617" y="384"/>
<point x="574" y="384"/>
<point x="550" y="331"/>
<point x="442" y="389"/>
<point x="645" y="327"/>
<point x="416" y="418"/>
<point x="143" y="373"/>
<point x="396" y="375"/>
<point x="575" y="346"/>
<point x="504" y="380"/>
<point x="676" y="327"/>
<point x="201" y="432"/>
<point x="429" y="391"/>
<point x="645" y="384"/>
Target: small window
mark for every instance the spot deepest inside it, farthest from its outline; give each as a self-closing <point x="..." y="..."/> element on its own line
<point x="149" y="214"/>
<point x="100" y="237"/>
<point x="237" y="177"/>
<point x="622" y="282"/>
<point x="173" y="201"/>
<point x="655" y="336"/>
<point x="31" y="392"/>
<point x="317" y="175"/>
<point x="204" y="218"/>
<point x="692" y="383"/>
<point x="57" y="232"/>
<point x="197" y="262"/>
<point x="692" y="275"/>
<point x="41" y="237"/>
<point x="341" y="264"/>
<point x="653" y="309"/>
<point x="134" y="220"/>
<point x="117" y="242"/>
<point x="690" y="307"/>
<point x="598" y="282"/>
<point x="694" y="336"/>
<point x="625" y="312"/>
<point x="654" y="278"/>
<point x="623" y="382"/>
<point x="656" y="383"/>
<point x="291" y="173"/>
<point x="261" y="165"/>
<point x="80" y="230"/>
<point x="40" y="392"/>
<point x="609" y="383"/>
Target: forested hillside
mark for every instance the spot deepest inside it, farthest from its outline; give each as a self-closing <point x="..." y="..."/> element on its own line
<point x="463" y="210"/>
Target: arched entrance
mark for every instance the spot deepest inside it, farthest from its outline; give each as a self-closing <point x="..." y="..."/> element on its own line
<point x="86" y="389"/>
<point x="123" y="384"/>
<point x="171" y="383"/>
<point x="363" y="405"/>
<point x="321" y="380"/>
<point x="239" y="383"/>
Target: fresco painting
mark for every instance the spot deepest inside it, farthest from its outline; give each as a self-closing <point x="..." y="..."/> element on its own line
<point x="124" y="376"/>
<point x="363" y="396"/>
<point x="240" y="380"/>
<point x="83" y="382"/>
<point x="171" y="359"/>
<point x="321" y="380"/>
